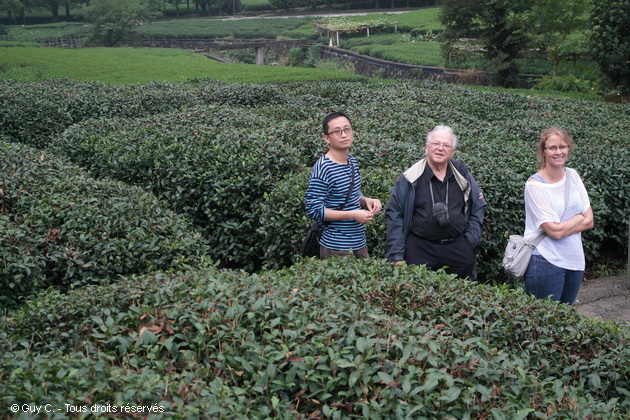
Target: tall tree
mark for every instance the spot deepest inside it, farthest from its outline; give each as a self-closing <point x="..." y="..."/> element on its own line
<point x="69" y="4"/>
<point x="205" y="9"/>
<point x="610" y="24"/>
<point x="499" y="26"/>
<point x="176" y="3"/>
<point x="52" y="5"/>
<point x="13" y="9"/>
<point x="114" y="20"/>
<point x="552" y="22"/>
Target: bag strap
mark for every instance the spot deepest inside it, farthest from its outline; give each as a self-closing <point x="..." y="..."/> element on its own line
<point x="538" y="239"/>
<point x="567" y="188"/>
<point x="350" y="187"/>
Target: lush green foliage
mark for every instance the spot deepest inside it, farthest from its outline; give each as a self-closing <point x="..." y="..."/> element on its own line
<point x="401" y="46"/>
<point x="234" y="157"/>
<point x="33" y="116"/>
<point x="131" y="65"/>
<point x="334" y="339"/>
<point x="40" y="33"/>
<point x="425" y="53"/>
<point x="264" y="28"/>
<point x="552" y="25"/>
<point x="502" y="32"/>
<point x="255" y="4"/>
<point x="424" y="50"/>
<point x="60" y="228"/>
<point x="414" y="21"/>
<point x="184" y="158"/>
<point x="500" y="27"/>
<point x="568" y="83"/>
<point x="610" y="21"/>
<point x="113" y="20"/>
<point x="343" y="24"/>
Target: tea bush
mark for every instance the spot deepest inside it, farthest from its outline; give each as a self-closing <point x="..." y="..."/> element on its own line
<point x="225" y="29"/>
<point x="32" y="112"/>
<point x="334" y="339"/>
<point x="207" y="167"/>
<point x="229" y="155"/>
<point x="60" y="228"/>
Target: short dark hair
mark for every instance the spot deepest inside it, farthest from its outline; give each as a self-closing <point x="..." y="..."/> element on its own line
<point x="331" y="117"/>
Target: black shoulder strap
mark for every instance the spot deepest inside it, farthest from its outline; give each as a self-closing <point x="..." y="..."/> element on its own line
<point x="351" y="185"/>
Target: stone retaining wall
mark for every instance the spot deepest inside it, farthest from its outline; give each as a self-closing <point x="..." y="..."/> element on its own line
<point x="375" y="67"/>
<point x="280" y="47"/>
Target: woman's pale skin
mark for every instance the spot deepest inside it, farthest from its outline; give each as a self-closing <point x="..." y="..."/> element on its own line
<point x="553" y="172"/>
<point x="338" y="150"/>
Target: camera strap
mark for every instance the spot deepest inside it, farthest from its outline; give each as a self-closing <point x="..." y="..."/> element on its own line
<point x="433" y="198"/>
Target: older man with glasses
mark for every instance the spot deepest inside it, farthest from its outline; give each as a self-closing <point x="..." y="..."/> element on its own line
<point x="435" y="210"/>
<point x="334" y="196"/>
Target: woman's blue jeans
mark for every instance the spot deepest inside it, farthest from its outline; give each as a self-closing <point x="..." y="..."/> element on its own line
<point x="543" y="279"/>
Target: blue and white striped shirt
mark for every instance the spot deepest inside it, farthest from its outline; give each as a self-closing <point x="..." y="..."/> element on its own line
<point x="328" y="188"/>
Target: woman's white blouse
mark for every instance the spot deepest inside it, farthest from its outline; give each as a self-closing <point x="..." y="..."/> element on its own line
<point x="546" y="203"/>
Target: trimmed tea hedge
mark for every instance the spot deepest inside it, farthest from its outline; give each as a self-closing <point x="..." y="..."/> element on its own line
<point x="323" y="339"/>
<point x="233" y="157"/>
<point x="208" y="168"/>
<point x="32" y="112"/>
<point x="61" y="228"/>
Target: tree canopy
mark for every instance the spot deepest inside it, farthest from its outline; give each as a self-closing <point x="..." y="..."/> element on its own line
<point x="552" y="23"/>
<point x="499" y="26"/>
<point x="610" y="23"/>
<point x="114" y="19"/>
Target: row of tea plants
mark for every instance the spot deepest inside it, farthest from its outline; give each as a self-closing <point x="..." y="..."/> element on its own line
<point x="322" y="339"/>
<point x="61" y="228"/>
<point x="114" y="200"/>
<point x="234" y="158"/>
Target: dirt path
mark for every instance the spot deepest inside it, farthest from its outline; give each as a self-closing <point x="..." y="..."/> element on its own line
<point x="393" y="12"/>
<point x="607" y="298"/>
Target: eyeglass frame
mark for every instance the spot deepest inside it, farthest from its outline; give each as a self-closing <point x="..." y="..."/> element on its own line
<point x="437" y="145"/>
<point x="556" y="148"/>
<point x="346" y="130"/>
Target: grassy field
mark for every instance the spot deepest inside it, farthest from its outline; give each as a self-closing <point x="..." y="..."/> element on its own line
<point x="424" y="19"/>
<point x="268" y="28"/>
<point x="389" y="45"/>
<point x="38" y="33"/>
<point x="131" y="65"/>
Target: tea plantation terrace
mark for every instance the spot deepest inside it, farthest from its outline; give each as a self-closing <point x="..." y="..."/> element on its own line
<point x="363" y="64"/>
<point x="206" y="45"/>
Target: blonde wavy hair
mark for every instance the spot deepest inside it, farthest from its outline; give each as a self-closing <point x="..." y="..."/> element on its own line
<point x="544" y="136"/>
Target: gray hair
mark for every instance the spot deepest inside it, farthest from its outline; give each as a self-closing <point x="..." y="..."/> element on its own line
<point x="443" y="128"/>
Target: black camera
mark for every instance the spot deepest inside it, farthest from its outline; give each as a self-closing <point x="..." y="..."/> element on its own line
<point x="440" y="214"/>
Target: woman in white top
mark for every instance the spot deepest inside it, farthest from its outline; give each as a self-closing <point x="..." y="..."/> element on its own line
<point x="556" y="268"/>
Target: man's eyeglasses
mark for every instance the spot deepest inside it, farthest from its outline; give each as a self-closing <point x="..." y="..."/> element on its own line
<point x="556" y="148"/>
<point x="437" y="145"/>
<point x="347" y="131"/>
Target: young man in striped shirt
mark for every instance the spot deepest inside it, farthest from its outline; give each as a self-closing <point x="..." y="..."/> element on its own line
<point x="334" y="197"/>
